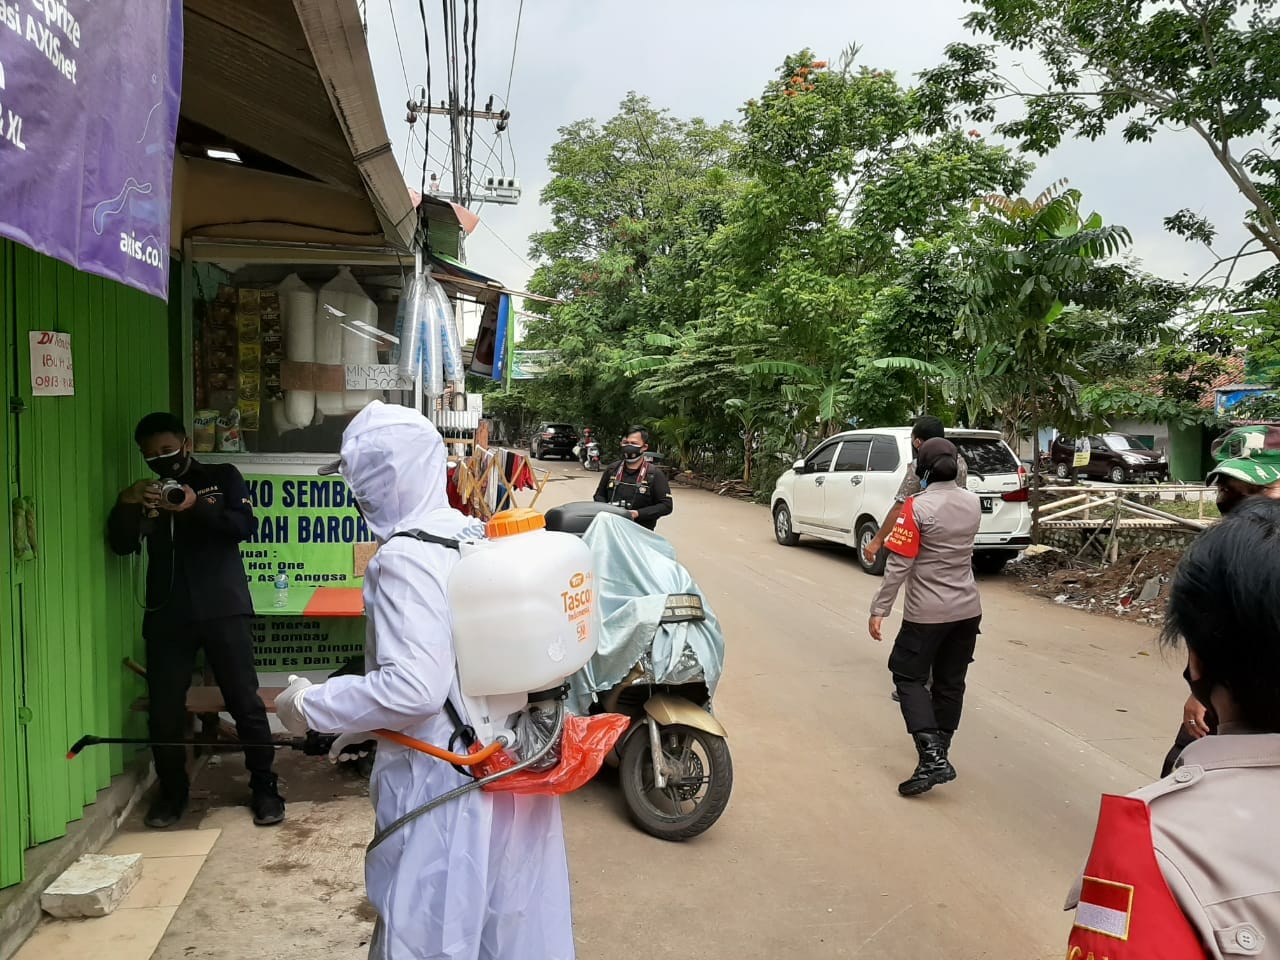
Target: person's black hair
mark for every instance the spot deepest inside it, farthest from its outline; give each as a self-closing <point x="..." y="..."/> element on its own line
<point x="644" y="433"/>
<point x="154" y="424"/>
<point x="1223" y="605"/>
<point x="937" y="460"/>
<point x="926" y="428"/>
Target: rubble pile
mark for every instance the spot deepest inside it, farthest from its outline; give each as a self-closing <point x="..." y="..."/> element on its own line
<point x="1134" y="587"/>
<point x="735" y="489"/>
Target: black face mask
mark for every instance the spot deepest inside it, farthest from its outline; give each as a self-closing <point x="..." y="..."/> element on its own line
<point x="631" y="453"/>
<point x="170" y="464"/>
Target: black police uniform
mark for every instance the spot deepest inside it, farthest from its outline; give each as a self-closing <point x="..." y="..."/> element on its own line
<point x="197" y="596"/>
<point x="643" y="489"/>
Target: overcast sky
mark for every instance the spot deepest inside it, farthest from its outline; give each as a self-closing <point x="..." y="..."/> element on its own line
<point x="579" y="58"/>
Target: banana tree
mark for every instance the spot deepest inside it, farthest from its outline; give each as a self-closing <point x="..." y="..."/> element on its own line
<point x="824" y="395"/>
<point x="1025" y="258"/>
<point x="751" y="417"/>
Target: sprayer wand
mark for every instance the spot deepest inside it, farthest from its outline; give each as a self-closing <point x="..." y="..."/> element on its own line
<point x="313" y="744"/>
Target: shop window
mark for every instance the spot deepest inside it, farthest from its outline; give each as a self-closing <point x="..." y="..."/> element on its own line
<point x="285" y="358"/>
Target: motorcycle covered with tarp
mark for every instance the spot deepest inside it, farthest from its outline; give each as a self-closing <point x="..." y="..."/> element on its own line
<point x="660" y="657"/>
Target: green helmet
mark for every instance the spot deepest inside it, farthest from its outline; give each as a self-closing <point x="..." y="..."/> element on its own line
<point x="1251" y="454"/>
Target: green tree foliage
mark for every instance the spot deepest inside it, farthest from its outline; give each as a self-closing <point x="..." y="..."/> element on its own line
<point x="1211" y="67"/>
<point x="746" y="289"/>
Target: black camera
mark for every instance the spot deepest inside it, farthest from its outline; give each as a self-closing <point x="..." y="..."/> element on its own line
<point x="172" y="493"/>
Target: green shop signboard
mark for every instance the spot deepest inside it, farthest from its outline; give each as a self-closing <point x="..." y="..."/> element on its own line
<point x="302" y="644"/>
<point x="309" y="529"/>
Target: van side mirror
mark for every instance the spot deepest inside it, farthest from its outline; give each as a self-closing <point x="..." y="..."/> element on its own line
<point x="798" y="466"/>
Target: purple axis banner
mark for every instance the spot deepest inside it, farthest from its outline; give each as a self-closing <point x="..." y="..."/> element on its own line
<point x="89" y="93"/>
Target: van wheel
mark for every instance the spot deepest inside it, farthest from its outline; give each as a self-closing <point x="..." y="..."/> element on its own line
<point x="867" y="533"/>
<point x="1117" y="475"/>
<point x="783" y="529"/>
<point x="1064" y="472"/>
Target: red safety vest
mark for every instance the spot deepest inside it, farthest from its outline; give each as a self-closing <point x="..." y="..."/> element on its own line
<point x="1126" y="910"/>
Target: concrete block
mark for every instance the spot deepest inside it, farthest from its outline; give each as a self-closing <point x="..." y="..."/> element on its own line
<point x="93" y="886"/>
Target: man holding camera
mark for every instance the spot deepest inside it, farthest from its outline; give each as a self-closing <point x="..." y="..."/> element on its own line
<point x="193" y="520"/>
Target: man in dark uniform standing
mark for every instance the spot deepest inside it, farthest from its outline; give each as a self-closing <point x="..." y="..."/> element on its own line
<point x="197" y="596"/>
<point x="635" y="484"/>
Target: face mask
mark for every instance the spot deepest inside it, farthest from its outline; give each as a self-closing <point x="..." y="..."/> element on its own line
<point x="631" y="452"/>
<point x="169" y="464"/>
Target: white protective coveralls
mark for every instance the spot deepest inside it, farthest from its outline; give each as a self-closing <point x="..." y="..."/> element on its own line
<point x="484" y="877"/>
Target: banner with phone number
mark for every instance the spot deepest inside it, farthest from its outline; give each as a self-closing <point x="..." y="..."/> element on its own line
<point x="309" y="529"/>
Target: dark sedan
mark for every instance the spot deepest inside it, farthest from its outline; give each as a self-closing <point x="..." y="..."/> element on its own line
<point x="554" y="440"/>
<point x="1116" y="457"/>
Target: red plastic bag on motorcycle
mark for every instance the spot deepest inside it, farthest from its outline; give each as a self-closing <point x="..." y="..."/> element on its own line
<point x="584" y="743"/>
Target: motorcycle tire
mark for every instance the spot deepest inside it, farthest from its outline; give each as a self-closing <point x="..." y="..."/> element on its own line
<point x="637" y="766"/>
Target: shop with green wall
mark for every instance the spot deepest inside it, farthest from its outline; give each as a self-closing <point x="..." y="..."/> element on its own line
<point x="69" y="613"/>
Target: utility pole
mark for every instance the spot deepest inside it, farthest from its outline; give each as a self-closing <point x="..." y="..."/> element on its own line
<point x="504" y="190"/>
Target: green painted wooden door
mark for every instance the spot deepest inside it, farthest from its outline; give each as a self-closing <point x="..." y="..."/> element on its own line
<point x="75" y="613"/>
<point x="14" y="822"/>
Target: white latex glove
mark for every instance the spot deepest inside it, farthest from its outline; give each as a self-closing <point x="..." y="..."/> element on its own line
<point x="289" y="706"/>
<point x="350" y="746"/>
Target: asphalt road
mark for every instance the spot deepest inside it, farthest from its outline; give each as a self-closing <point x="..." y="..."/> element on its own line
<point x="817" y="855"/>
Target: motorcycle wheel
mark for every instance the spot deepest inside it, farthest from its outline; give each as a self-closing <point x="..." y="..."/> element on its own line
<point x="689" y="806"/>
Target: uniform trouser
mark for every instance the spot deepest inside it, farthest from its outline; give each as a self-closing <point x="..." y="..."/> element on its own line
<point x="946" y="650"/>
<point x="171" y="657"/>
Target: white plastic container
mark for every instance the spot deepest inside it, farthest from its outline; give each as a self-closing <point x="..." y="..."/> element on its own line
<point x="298" y="306"/>
<point x="524" y="611"/>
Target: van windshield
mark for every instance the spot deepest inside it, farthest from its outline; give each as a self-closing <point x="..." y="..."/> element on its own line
<point x="1120" y="443"/>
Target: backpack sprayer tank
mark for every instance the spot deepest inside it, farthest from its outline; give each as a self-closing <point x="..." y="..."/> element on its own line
<point x="524" y="621"/>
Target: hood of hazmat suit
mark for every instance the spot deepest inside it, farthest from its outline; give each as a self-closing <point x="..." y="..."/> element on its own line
<point x="483" y="877"/>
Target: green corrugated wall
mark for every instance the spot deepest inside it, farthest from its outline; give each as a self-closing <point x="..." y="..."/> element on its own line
<point x="70" y="614"/>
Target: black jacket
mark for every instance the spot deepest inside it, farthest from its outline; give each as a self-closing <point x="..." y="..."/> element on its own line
<point x="194" y="569"/>
<point x="650" y="498"/>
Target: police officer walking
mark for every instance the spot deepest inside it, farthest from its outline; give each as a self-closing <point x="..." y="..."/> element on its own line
<point x="931" y="552"/>
<point x="635" y="484"/>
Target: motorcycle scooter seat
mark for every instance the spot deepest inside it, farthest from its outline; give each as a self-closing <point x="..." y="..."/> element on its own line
<point x="574" y="518"/>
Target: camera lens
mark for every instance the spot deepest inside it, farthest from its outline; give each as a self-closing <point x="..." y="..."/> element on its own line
<point x="174" y="494"/>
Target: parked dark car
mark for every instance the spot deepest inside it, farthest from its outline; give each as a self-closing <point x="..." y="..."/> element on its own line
<point x="554" y="440"/>
<point x="1112" y="456"/>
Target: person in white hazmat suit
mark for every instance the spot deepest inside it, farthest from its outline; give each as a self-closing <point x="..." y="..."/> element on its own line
<point x="484" y="877"/>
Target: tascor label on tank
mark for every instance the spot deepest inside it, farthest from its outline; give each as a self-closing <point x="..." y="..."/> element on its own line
<point x="577" y="603"/>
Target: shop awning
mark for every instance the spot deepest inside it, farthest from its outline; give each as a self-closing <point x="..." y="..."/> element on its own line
<point x="288" y="89"/>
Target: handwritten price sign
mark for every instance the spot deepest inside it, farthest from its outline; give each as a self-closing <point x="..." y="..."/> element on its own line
<point x="51" y="373"/>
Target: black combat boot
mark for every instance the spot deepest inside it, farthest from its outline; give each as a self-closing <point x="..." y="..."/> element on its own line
<point x="932" y="767"/>
<point x="946" y="736"/>
<point x="266" y="803"/>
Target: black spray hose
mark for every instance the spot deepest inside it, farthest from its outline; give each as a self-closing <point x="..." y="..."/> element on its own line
<point x="313" y="744"/>
<point x="473" y="785"/>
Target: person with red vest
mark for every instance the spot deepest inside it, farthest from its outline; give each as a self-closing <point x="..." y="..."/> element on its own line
<point x="1189" y="867"/>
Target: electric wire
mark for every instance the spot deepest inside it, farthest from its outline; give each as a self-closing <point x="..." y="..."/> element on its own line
<point x="471" y="119"/>
<point x="395" y="29"/>
<point x="512" y="250"/>
<point x="514" y="47"/>
<point x="426" y="37"/>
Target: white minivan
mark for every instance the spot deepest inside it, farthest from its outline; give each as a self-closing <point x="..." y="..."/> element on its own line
<point x="845" y="488"/>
